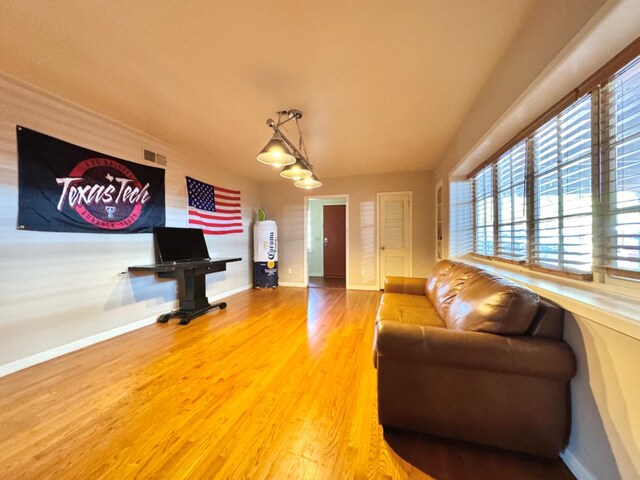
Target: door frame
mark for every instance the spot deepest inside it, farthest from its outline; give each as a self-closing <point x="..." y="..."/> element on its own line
<point x="306" y="233"/>
<point x="379" y="196"/>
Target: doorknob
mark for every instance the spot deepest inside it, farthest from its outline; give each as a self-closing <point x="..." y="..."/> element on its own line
<point x="326" y="241"/>
<point x="381" y="248"/>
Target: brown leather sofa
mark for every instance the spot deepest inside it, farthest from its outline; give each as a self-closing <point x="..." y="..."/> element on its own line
<point x="470" y="355"/>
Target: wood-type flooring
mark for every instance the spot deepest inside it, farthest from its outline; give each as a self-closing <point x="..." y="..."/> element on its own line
<point x="327" y="282"/>
<point x="279" y="385"/>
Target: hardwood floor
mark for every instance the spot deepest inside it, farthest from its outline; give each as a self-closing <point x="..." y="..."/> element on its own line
<point x="279" y="385"/>
<point x="327" y="282"/>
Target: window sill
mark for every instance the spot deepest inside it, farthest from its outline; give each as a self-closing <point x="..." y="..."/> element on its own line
<point x="617" y="312"/>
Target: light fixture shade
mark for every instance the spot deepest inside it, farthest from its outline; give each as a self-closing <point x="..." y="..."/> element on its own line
<point x="308" y="182"/>
<point x="296" y="171"/>
<point x="276" y="153"/>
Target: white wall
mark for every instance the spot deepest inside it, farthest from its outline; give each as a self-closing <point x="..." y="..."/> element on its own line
<point x="605" y="401"/>
<point x="285" y="204"/>
<point x="315" y="257"/>
<point x="60" y="288"/>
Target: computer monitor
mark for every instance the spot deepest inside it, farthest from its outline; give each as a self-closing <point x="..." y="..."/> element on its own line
<point x="180" y="244"/>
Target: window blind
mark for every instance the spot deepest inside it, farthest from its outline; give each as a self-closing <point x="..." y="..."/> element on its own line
<point x="620" y="151"/>
<point x="562" y="190"/>
<point x="512" y="214"/>
<point x="563" y="196"/>
<point x="484" y="220"/>
<point x="461" y="218"/>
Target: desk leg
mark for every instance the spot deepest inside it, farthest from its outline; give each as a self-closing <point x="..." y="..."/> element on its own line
<point x="192" y="296"/>
<point x="192" y="291"/>
<point x="187" y="315"/>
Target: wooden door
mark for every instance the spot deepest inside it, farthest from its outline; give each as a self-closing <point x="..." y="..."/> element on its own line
<point x="335" y="248"/>
<point x="394" y="235"/>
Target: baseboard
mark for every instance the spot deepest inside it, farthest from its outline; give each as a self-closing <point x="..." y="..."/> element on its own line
<point x="576" y="467"/>
<point x="349" y="287"/>
<point x="93" y="339"/>
<point x="220" y="296"/>
<point x="362" y="287"/>
<point x="73" y="346"/>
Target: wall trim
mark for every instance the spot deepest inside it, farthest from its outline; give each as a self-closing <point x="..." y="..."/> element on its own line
<point x="73" y="346"/>
<point x="220" y="296"/>
<point x="363" y="287"/>
<point x="576" y="466"/>
<point x="293" y="284"/>
<point x="349" y="287"/>
<point x="42" y="357"/>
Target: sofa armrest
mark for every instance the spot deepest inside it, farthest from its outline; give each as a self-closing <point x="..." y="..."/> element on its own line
<point x="537" y="357"/>
<point x="410" y="285"/>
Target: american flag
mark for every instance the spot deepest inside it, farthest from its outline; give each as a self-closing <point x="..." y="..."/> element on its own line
<point x="214" y="209"/>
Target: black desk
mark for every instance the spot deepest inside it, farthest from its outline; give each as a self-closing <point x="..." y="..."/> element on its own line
<point x="191" y="285"/>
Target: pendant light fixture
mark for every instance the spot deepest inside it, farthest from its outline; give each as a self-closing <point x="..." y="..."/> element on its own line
<point x="276" y="153"/>
<point x="296" y="171"/>
<point x="308" y="182"/>
<point x="280" y="152"/>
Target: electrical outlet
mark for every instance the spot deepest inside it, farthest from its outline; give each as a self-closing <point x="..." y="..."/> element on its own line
<point x="288" y="270"/>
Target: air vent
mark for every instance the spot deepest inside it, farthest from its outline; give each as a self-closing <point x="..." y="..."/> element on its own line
<point x="149" y="155"/>
<point x="153" y="157"/>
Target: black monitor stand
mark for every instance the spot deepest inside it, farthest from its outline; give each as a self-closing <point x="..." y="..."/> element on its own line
<point x="190" y="276"/>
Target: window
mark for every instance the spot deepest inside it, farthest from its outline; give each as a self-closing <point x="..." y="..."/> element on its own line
<point x="564" y="197"/>
<point x="461" y="218"/>
<point x="512" y="214"/>
<point x="562" y="238"/>
<point x="483" y="200"/>
<point x="620" y="120"/>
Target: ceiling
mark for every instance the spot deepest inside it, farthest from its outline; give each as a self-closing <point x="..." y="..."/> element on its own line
<point x="383" y="85"/>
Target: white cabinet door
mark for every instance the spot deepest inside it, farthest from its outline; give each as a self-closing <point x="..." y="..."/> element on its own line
<point x="394" y="235"/>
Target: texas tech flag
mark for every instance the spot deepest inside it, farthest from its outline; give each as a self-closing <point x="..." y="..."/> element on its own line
<point x="66" y="188"/>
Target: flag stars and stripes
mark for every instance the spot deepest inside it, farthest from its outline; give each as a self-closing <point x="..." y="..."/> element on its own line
<point x="200" y="195"/>
<point x="214" y="209"/>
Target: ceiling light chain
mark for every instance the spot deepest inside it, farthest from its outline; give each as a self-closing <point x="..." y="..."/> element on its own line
<point x="300" y="140"/>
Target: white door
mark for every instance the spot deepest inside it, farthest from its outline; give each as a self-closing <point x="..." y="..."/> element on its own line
<point x="394" y="235"/>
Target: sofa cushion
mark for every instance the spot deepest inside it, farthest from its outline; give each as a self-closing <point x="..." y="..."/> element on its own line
<point x="548" y="322"/>
<point x="450" y="284"/>
<point x="491" y="304"/>
<point x="405" y="299"/>
<point x="411" y="285"/>
<point x="435" y="278"/>
<point x="414" y="315"/>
